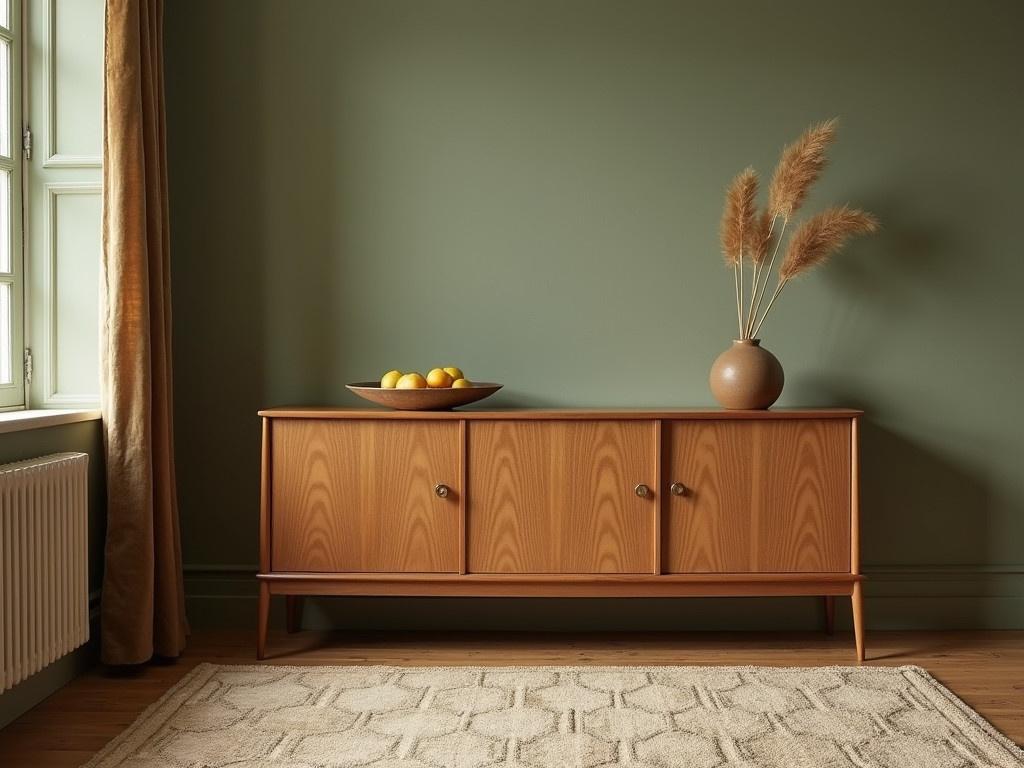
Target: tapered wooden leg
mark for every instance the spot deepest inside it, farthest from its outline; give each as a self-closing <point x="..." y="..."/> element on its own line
<point x="262" y="620"/>
<point x="830" y="614"/>
<point x="293" y="613"/>
<point x="858" y="620"/>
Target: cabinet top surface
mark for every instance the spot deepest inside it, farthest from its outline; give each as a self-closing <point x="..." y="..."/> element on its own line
<point x="323" y="412"/>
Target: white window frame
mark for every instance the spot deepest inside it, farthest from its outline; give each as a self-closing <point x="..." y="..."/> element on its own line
<point x="13" y="394"/>
<point x="61" y="179"/>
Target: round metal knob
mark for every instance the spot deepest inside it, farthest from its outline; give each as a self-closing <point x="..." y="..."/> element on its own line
<point x="642" y="491"/>
<point x="442" y="490"/>
<point x="678" y="489"/>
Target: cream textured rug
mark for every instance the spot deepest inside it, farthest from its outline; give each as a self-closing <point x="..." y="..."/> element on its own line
<point x="559" y="717"/>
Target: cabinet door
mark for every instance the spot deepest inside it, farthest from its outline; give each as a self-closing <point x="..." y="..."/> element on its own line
<point x="559" y="497"/>
<point x="352" y="495"/>
<point x="762" y="497"/>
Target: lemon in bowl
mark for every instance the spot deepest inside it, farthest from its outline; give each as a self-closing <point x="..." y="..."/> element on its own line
<point x="439" y="390"/>
<point x="411" y="381"/>
<point x="439" y="378"/>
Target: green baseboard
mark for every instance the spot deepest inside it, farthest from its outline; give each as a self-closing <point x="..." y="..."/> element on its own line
<point x="897" y="597"/>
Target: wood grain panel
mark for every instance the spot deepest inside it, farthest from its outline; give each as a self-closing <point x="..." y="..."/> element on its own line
<point x="855" y="495"/>
<point x="767" y="496"/>
<point x="359" y="496"/>
<point x="801" y="503"/>
<point x="708" y="530"/>
<point x="558" y="496"/>
<point x="265" y="470"/>
<point x="560" y="414"/>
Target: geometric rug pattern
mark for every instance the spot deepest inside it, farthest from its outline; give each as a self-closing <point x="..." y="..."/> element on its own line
<point x="559" y="717"/>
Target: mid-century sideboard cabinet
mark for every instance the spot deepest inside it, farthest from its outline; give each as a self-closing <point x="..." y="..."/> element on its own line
<point x="567" y="503"/>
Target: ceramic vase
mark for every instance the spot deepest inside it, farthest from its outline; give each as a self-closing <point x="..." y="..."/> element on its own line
<point x="746" y="376"/>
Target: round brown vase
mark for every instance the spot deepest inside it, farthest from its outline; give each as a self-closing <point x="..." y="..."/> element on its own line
<point x="746" y="376"/>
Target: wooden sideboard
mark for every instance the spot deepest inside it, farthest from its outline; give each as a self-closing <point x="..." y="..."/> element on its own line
<point x="566" y="503"/>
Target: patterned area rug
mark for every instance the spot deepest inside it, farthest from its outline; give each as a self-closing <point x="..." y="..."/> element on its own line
<point x="559" y="717"/>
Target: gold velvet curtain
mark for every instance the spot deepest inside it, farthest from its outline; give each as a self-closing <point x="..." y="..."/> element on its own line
<point x="143" y="606"/>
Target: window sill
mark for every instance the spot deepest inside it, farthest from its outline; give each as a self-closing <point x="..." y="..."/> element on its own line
<point x="18" y="421"/>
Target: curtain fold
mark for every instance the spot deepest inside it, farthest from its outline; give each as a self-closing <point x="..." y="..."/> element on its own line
<point x="143" y="603"/>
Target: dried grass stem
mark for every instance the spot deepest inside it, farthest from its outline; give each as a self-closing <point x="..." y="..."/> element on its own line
<point x="747" y="234"/>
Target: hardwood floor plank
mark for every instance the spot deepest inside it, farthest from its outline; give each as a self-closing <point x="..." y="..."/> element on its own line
<point x="986" y="669"/>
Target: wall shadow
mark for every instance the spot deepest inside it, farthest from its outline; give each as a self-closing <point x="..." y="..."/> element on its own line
<point x="926" y="517"/>
<point x="220" y="198"/>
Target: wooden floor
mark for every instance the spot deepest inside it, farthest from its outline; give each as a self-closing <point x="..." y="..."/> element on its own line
<point x="984" y="668"/>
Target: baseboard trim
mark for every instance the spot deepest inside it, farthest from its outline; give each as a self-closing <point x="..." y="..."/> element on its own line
<point x="898" y="597"/>
<point x="1011" y="569"/>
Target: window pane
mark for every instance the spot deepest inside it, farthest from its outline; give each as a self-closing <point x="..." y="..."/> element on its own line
<point x="76" y="280"/>
<point x="5" y="334"/>
<point x="5" y="14"/>
<point x="5" y="98"/>
<point x="5" y="222"/>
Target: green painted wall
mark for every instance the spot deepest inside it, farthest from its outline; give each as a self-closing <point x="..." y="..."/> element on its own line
<point x="531" y="190"/>
<point x="86" y="437"/>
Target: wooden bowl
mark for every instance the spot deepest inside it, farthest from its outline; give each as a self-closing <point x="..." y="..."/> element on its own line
<point x="440" y="399"/>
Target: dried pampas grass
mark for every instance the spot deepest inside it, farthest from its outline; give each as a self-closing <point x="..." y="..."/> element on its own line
<point x="749" y="234"/>
<point x="821" y="236"/>
<point x="761" y="240"/>
<point x="738" y="229"/>
<point x="799" y="167"/>
<point x="814" y="241"/>
<point x="738" y="218"/>
<point x="764" y="236"/>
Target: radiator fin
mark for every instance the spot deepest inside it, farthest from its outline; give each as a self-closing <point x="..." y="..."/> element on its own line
<point x="44" y="571"/>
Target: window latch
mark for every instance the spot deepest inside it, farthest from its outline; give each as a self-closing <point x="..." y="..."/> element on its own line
<point x="28" y="365"/>
<point x="26" y="143"/>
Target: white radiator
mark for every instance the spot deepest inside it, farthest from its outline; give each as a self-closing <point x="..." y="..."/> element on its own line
<point x="44" y="579"/>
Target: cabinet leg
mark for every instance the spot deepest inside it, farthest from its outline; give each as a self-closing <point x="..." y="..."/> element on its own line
<point x="830" y="614"/>
<point x="858" y="619"/>
<point x="293" y="613"/>
<point x="262" y="620"/>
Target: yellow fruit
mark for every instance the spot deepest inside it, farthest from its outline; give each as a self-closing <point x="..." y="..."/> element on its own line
<point x="390" y="379"/>
<point x="439" y="378"/>
<point x="412" y="381"/>
<point x="461" y="384"/>
<point x="455" y="373"/>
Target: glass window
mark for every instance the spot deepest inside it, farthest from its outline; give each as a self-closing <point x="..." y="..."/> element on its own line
<point x="6" y="353"/>
<point x="5" y="98"/>
<point x="12" y="384"/>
